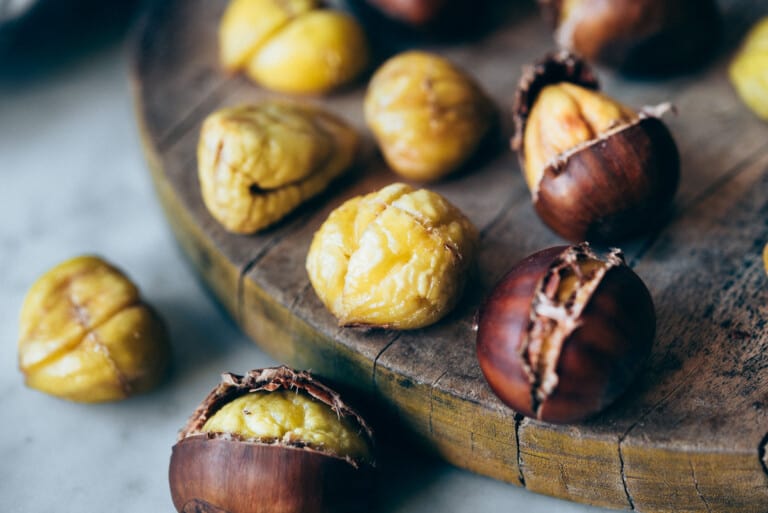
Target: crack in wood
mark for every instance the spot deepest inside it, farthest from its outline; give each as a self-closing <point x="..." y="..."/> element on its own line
<point x="520" y="474"/>
<point x="698" y="490"/>
<point x="431" y="398"/>
<point x="634" y="424"/>
<point x="512" y="199"/>
<point x="250" y="264"/>
<point x="378" y="355"/>
<point x="205" y="106"/>
<point x="624" y="482"/>
<point x="295" y="301"/>
<point x="762" y="453"/>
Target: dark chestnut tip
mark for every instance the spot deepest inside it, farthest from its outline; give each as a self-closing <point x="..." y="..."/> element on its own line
<point x="552" y="69"/>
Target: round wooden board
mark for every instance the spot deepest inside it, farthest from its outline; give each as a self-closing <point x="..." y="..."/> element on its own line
<point x="691" y="433"/>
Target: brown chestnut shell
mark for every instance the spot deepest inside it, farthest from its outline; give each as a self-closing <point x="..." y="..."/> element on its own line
<point x="221" y="473"/>
<point x="619" y="185"/>
<point x="601" y="343"/>
<point x="638" y="37"/>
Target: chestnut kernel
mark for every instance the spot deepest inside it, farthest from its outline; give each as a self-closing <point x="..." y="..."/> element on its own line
<point x="274" y="440"/>
<point x="639" y="37"/>
<point x="597" y="169"/>
<point x="563" y="334"/>
<point x="765" y="258"/>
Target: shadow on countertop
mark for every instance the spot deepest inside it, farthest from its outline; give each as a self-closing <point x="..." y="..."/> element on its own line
<point x="52" y="35"/>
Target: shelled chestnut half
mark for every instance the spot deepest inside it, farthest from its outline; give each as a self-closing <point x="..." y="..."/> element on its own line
<point x="274" y="440"/>
<point x="292" y="46"/>
<point x="564" y="333"/>
<point x="597" y="169"/>
<point x="647" y="37"/>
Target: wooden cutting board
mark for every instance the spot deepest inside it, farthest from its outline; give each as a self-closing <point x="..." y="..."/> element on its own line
<point x="691" y="433"/>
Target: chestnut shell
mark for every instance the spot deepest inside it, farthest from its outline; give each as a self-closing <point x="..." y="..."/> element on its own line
<point x="397" y="25"/>
<point x="220" y="473"/>
<point x="598" y="358"/>
<point x="615" y="187"/>
<point x="639" y="37"/>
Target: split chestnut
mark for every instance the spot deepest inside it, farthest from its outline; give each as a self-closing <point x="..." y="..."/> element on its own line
<point x="272" y="441"/>
<point x="564" y="333"/>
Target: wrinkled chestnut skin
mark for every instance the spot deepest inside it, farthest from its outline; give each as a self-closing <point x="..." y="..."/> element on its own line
<point x="598" y="359"/>
<point x="637" y="37"/>
<point x="616" y="187"/>
<point x="229" y="476"/>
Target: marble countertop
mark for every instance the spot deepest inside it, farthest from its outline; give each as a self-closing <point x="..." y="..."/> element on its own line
<point x="73" y="182"/>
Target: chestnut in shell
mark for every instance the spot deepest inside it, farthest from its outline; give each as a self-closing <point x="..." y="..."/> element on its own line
<point x="423" y="13"/>
<point x="597" y="169"/>
<point x="637" y="37"/>
<point x="563" y="334"/>
<point x="272" y="441"/>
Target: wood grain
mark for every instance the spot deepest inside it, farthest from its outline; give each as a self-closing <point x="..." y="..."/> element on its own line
<point x="691" y="433"/>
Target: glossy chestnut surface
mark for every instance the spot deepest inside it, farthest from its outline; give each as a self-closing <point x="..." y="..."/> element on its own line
<point x="640" y="37"/>
<point x="217" y="472"/>
<point x="615" y="185"/>
<point x="562" y="358"/>
<point x="234" y="476"/>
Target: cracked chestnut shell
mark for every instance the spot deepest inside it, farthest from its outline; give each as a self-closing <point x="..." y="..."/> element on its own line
<point x="597" y="169"/>
<point x="638" y="37"/>
<point x="213" y="471"/>
<point x="563" y="334"/>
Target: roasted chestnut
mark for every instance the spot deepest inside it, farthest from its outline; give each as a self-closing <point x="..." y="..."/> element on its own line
<point x="428" y="116"/>
<point x="86" y="334"/>
<point x="274" y="440"/>
<point x="292" y="46"/>
<point x="396" y="258"/>
<point x="424" y="13"/>
<point x="749" y="69"/>
<point x="765" y="257"/>
<point x="647" y="37"/>
<point x="597" y="170"/>
<point x="563" y="334"/>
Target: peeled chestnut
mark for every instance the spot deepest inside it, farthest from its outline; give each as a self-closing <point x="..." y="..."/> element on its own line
<point x="274" y="440"/>
<point x="563" y="334"/>
<point x="765" y="257"/>
<point x="597" y="169"/>
<point x="637" y="36"/>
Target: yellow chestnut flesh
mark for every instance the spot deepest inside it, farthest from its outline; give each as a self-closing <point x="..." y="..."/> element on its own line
<point x="248" y="24"/>
<point x="313" y="54"/>
<point x="428" y="116"/>
<point x="749" y="70"/>
<point x="765" y="257"/>
<point x="87" y="336"/>
<point x="292" y="46"/>
<point x="395" y="258"/>
<point x="564" y="117"/>
<point x="290" y="417"/>
<point x="257" y="163"/>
